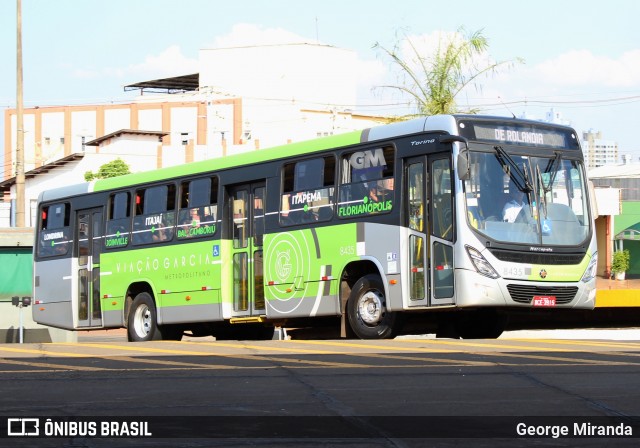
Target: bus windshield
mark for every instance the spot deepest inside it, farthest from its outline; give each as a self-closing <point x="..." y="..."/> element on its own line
<point x="527" y="200"/>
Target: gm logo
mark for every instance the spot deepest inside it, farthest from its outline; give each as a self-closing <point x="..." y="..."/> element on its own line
<point x="23" y="427"/>
<point x="368" y="159"/>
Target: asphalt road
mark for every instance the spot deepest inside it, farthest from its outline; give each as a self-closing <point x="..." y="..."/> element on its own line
<point x="394" y="393"/>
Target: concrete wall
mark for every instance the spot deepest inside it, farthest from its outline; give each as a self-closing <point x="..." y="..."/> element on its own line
<point x="32" y="332"/>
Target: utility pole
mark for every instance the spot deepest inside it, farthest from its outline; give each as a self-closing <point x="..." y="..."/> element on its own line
<point x="19" y="124"/>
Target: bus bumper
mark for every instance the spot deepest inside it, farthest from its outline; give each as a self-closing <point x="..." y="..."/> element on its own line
<point x="475" y="290"/>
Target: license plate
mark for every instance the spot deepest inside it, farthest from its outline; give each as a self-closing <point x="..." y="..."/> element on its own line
<point x="548" y="301"/>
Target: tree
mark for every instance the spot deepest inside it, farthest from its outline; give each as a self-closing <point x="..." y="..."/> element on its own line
<point x="434" y="81"/>
<point x="111" y="169"/>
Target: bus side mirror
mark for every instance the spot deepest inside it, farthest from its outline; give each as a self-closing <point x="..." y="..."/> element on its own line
<point x="464" y="167"/>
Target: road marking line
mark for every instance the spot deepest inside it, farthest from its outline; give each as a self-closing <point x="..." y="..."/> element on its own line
<point x="313" y="363"/>
<point x="620" y="344"/>
<point x="370" y="346"/>
<point x="256" y="347"/>
<point x="571" y="361"/>
<point x="247" y="357"/>
<point x="43" y="352"/>
<point x="458" y="343"/>
<point x="137" y="348"/>
<point x="455" y="362"/>
<point x="168" y="362"/>
<point x="46" y="365"/>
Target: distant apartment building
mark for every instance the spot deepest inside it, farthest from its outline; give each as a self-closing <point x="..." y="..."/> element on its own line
<point x="597" y="151"/>
<point x="253" y="104"/>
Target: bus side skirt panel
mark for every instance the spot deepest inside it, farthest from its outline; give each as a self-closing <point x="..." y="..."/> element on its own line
<point x="56" y="308"/>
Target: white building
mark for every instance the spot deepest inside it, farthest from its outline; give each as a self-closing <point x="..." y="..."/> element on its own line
<point x="243" y="99"/>
<point x="597" y="151"/>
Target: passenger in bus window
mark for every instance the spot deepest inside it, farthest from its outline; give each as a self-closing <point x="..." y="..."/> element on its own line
<point x="373" y="192"/>
<point x="209" y="215"/>
<point x="193" y="218"/>
<point x="159" y="233"/>
<point x="380" y="190"/>
<point x="286" y="212"/>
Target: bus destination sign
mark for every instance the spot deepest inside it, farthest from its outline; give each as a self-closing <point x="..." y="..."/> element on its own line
<point x="520" y="135"/>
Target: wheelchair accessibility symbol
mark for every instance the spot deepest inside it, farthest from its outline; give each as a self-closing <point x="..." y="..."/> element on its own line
<point x="216" y="250"/>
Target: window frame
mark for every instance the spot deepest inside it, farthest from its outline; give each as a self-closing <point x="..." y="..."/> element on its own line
<point x="355" y="199"/>
<point x="307" y="204"/>
<point x="204" y="225"/>
<point x="49" y="236"/>
<point x="146" y="217"/>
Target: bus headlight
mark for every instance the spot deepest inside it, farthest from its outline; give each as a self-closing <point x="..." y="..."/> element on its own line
<point x="480" y="263"/>
<point x="590" y="273"/>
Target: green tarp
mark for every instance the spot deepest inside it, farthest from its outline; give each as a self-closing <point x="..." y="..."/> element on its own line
<point x="16" y="271"/>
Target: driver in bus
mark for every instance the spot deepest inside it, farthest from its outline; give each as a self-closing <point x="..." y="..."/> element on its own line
<point x="514" y="204"/>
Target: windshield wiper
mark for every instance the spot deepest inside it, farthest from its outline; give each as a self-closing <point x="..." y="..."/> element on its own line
<point x="552" y="168"/>
<point x="545" y="190"/>
<point x="507" y="163"/>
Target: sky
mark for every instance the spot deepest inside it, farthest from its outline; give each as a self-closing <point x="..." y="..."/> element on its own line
<point x="581" y="58"/>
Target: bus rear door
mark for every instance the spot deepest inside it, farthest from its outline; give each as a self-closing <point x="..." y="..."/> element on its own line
<point x="246" y="212"/>
<point x="88" y="245"/>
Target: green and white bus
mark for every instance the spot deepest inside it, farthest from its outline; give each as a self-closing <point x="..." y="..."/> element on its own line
<point x="361" y="229"/>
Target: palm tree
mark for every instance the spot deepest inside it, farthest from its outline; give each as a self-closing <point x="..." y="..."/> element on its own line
<point x="434" y="81"/>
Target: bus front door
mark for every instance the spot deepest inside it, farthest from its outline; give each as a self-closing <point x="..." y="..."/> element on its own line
<point x="441" y="226"/>
<point x="246" y="212"/>
<point x="416" y="216"/>
<point x="87" y="247"/>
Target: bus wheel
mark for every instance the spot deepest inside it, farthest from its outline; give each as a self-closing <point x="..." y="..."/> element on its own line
<point x="367" y="310"/>
<point x="142" y="323"/>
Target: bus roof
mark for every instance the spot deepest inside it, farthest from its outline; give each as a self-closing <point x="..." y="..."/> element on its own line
<point x="443" y="123"/>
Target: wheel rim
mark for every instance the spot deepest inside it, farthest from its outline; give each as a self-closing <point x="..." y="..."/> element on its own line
<point x="371" y="308"/>
<point x="142" y="321"/>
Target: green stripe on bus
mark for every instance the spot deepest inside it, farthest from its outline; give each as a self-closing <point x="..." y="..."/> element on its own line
<point x="244" y="159"/>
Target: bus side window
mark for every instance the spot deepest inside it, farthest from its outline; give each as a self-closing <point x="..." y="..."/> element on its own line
<point x="442" y="207"/>
<point x="155" y="214"/>
<point x="307" y="191"/>
<point x="54" y="231"/>
<point x="118" y="220"/>
<point x="416" y="200"/>
<point x="366" y="182"/>
<point x="198" y="208"/>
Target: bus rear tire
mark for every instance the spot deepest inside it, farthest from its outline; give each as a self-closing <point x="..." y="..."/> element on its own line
<point x="367" y="310"/>
<point x="142" y="321"/>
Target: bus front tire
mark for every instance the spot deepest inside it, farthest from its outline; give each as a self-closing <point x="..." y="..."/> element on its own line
<point x="367" y="310"/>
